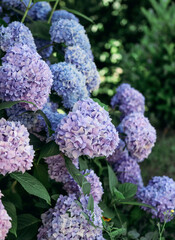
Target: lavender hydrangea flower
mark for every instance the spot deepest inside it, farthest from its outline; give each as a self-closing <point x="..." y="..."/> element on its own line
<point x="24" y="76"/>
<point x="81" y="60"/>
<point x="46" y="52"/>
<point x="16" y="32"/>
<point x="68" y="83"/>
<point x="16" y="154"/>
<point x="69" y="32"/>
<point x="5" y="223"/>
<point x="140" y="135"/>
<point x="40" y="11"/>
<point x="64" y="15"/>
<point x="129" y="100"/>
<point x="87" y="130"/>
<point x="160" y="194"/>
<point x="120" y="152"/>
<point x="66" y="221"/>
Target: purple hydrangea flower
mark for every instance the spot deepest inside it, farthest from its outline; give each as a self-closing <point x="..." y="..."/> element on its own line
<point x="40" y="11"/>
<point x="87" y="130"/>
<point x="66" y="221"/>
<point x="140" y="135"/>
<point x="69" y="32"/>
<point x="13" y="3"/>
<point x="5" y="223"/>
<point x="160" y="194"/>
<point x="81" y="60"/>
<point x="129" y="100"/>
<point x="68" y="83"/>
<point x="24" y="76"/>
<point x="16" y="153"/>
<point x="46" y="52"/>
<point x="120" y="152"/>
<point x="64" y="15"/>
<point x="16" y="32"/>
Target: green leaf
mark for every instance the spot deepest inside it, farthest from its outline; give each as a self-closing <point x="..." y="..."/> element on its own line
<point x="28" y="233"/>
<point x="128" y="189"/>
<point x="90" y="205"/>
<point x="10" y="104"/>
<point x="101" y="104"/>
<point x="11" y="210"/>
<point x="55" y="197"/>
<point x="133" y="234"/>
<point x="26" y="220"/>
<point x="77" y="176"/>
<point x="83" y="164"/>
<point x="136" y="203"/>
<point x="31" y="185"/>
<point x="35" y="142"/>
<point x="40" y="29"/>
<point x="118" y="232"/>
<point x="78" y="14"/>
<point x="107" y="212"/>
<point x="113" y="182"/>
<point x="48" y="150"/>
<point x="46" y="121"/>
<point x="119" y="196"/>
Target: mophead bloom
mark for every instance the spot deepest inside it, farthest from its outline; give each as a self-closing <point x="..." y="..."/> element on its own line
<point x="69" y="83"/>
<point x="40" y="11"/>
<point x="16" y="153"/>
<point x="15" y="33"/>
<point x="64" y="15"/>
<point x="5" y="223"/>
<point x="160" y="194"/>
<point x="15" y="4"/>
<point x="84" y="64"/>
<point x="87" y="130"/>
<point x="66" y="220"/>
<point x="140" y="135"/>
<point x="69" y="32"/>
<point x="128" y="99"/>
<point x="24" y="76"/>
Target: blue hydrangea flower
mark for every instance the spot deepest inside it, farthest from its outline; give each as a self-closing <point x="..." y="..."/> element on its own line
<point x="68" y="83"/>
<point x="70" y="33"/>
<point x="66" y="221"/>
<point x="16" y="32"/>
<point x="81" y="60"/>
<point x="128" y="99"/>
<point x="40" y="11"/>
<point x="64" y="15"/>
<point x="46" y="52"/>
<point x="16" y="153"/>
<point x="140" y="135"/>
<point x="160" y="194"/>
<point x="87" y="130"/>
<point x="5" y="223"/>
<point x="24" y="76"/>
<point x="14" y="3"/>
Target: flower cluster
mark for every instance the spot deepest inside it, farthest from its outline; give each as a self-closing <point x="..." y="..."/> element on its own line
<point x="46" y="52"/>
<point x="160" y="194"/>
<point x="40" y="11"/>
<point x="5" y="223"/>
<point x="68" y="83"/>
<point x="16" y="154"/>
<point x="83" y="62"/>
<point x="63" y="14"/>
<point x="129" y="100"/>
<point x="24" y="76"/>
<point x="69" y="32"/>
<point x="66" y="220"/>
<point x="15" y="33"/>
<point x="15" y="4"/>
<point x="140" y="135"/>
<point x="87" y="130"/>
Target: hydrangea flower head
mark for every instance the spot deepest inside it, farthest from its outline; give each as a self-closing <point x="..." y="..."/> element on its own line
<point x="160" y="194"/>
<point x="24" y="76"/>
<point x="81" y="60"/>
<point x="68" y="83"/>
<point x="70" y="33"/>
<point x="16" y="153"/>
<point x="5" y="223"/>
<point x="87" y="130"/>
<point x="46" y="52"/>
<point x="140" y="135"/>
<point x="129" y="100"/>
<point x="13" y="3"/>
<point x="40" y="11"/>
<point x="120" y="152"/>
<point x="66" y="221"/>
<point x="64" y="15"/>
<point x="15" y="33"/>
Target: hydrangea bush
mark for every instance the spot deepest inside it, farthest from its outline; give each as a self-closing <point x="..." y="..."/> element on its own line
<point x="66" y="171"/>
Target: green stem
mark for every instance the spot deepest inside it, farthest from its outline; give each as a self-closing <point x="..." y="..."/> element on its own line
<point x="53" y="9"/>
<point x="118" y="215"/>
<point x="27" y="9"/>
